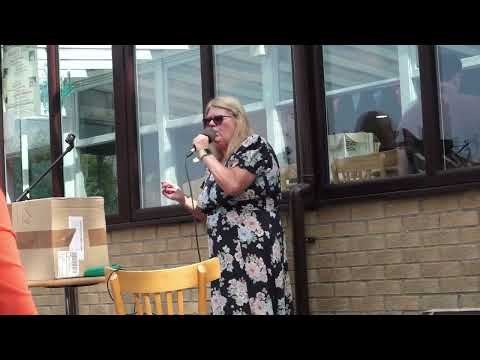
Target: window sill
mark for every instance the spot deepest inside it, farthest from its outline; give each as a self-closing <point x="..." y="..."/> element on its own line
<point x="438" y="186"/>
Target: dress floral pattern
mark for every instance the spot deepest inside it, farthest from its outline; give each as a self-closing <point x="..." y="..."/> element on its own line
<point x="246" y="234"/>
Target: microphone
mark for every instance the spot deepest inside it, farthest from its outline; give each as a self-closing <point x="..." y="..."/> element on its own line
<point x="210" y="133"/>
<point x="70" y="139"/>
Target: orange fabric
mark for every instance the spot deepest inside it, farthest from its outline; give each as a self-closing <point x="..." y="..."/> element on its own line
<point x="15" y="298"/>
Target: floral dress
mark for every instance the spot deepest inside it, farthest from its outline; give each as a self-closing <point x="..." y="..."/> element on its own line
<point x="246" y="234"/>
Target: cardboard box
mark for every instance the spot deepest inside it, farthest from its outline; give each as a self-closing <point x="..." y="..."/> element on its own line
<point x="60" y="237"/>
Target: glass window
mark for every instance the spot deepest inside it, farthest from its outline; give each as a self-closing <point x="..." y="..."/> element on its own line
<point x="260" y="76"/>
<point x="26" y="119"/>
<point x="374" y="111"/>
<point x="87" y="103"/>
<point x="169" y="113"/>
<point x="458" y="69"/>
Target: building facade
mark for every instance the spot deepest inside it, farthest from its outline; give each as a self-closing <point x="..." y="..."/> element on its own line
<point x="382" y="140"/>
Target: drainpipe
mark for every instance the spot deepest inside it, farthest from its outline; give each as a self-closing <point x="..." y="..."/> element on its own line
<point x="302" y="194"/>
<point x="297" y="223"/>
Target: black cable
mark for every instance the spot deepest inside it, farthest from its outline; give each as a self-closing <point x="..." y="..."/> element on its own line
<point x="194" y="222"/>
<point x="108" y="288"/>
<point x="193" y="205"/>
<point x="108" y="283"/>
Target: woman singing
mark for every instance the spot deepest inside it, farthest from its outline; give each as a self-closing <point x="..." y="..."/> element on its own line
<point x="239" y="201"/>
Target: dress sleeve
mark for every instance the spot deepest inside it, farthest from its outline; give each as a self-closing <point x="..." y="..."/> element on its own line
<point x="15" y="298"/>
<point x="255" y="157"/>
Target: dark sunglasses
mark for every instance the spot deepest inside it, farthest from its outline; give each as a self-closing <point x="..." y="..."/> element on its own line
<point x="217" y="119"/>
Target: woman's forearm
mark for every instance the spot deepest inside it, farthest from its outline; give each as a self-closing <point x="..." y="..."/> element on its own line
<point x="191" y="205"/>
<point x="224" y="177"/>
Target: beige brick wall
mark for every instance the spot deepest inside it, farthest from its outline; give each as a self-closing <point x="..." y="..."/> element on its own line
<point x="400" y="256"/>
<point x="370" y="257"/>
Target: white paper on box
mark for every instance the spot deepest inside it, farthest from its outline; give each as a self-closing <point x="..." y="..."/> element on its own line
<point x="78" y="243"/>
<point x="68" y="264"/>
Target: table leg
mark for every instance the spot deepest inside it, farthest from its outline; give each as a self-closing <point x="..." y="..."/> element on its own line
<point x="71" y="300"/>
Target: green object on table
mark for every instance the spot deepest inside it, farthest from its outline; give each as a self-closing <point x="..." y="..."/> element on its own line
<point x="98" y="270"/>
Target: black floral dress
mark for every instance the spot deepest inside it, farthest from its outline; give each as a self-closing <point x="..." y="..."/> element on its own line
<point x="246" y="233"/>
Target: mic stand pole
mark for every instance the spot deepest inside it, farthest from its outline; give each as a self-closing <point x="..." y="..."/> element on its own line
<point x="27" y="190"/>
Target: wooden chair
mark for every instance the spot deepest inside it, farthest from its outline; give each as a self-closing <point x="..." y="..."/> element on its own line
<point x="143" y="284"/>
<point x="359" y="168"/>
<point x="396" y="162"/>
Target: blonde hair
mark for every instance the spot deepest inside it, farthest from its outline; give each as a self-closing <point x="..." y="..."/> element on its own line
<point x="242" y="125"/>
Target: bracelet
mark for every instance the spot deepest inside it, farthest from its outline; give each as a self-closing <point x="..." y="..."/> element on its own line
<point x="202" y="153"/>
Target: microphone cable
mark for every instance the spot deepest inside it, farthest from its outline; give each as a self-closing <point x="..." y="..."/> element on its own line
<point x="210" y="133"/>
<point x="193" y="205"/>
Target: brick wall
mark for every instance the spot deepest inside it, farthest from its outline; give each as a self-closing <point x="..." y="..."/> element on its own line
<point x="396" y="257"/>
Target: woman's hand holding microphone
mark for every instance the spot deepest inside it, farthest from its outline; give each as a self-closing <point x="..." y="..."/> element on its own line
<point x="200" y="142"/>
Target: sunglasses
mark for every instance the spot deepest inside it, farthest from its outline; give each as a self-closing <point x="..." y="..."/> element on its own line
<point x="217" y="119"/>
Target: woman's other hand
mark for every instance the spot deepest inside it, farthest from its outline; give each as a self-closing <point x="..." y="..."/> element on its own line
<point x="172" y="192"/>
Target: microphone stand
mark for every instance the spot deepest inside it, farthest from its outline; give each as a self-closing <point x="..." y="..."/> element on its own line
<point x="70" y="141"/>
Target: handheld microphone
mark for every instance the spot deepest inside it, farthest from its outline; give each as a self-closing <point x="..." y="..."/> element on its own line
<point x="210" y="133"/>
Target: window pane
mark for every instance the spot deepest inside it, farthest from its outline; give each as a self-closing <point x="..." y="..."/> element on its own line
<point x="86" y="92"/>
<point x="169" y="98"/>
<point x="26" y="119"/>
<point x="285" y="73"/>
<point x="458" y="83"/>
<point x="374" y="111"/>
<point x="260" y="76"/>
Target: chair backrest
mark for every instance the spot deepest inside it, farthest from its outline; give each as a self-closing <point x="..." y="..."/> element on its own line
<point x="396" y="161"/>
<point x="358" y="168"/>
<point x="152" y="283"/>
